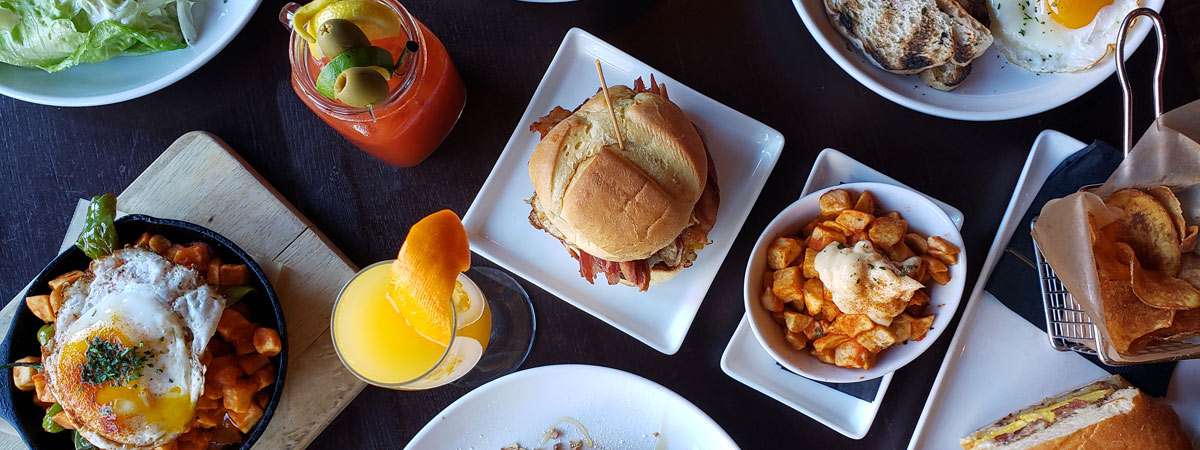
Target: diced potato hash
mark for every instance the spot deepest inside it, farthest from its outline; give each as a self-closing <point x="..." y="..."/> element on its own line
<point x="239" y="368"/>
<point x="803" y="308"/>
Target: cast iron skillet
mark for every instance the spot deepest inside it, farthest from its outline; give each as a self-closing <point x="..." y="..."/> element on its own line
<point x="17" y="407"/>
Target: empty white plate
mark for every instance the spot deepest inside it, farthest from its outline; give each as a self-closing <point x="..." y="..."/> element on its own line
<point x="995" y="90"/>
<point x="128" y="77"/>
<point x="743" y="150"/>
<point x="617" y="409"/>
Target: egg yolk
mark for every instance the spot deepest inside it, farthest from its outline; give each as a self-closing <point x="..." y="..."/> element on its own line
<point x="171" y="411"/>
<point x="1075" y="13"/>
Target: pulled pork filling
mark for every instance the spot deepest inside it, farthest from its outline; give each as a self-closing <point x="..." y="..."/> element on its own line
<point x="678" y="255"/>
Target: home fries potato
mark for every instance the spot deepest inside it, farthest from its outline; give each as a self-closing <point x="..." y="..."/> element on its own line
<point x="854" y="282"/>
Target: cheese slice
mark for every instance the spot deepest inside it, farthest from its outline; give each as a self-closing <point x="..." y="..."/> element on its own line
<point x="1045" y="413"/>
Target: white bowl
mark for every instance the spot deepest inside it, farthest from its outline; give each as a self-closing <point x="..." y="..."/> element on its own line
<point x="128" y="77"/>
<point x="923" y="217"/>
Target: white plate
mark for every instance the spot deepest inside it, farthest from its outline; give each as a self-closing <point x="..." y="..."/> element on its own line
<point x="922" y="215"/>
<point x="995" y="90"/>
<point x="743" y="149"/>
<point x="998" y="362"/>
<point x="620" y="411"/>
<point x="128" y="77"/>
<point x="746" y="361"/>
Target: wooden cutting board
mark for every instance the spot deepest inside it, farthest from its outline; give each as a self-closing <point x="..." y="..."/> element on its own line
<point x="200" y="179"/>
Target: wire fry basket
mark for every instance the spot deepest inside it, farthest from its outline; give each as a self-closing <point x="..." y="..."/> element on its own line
<point x="1068" y="327"/>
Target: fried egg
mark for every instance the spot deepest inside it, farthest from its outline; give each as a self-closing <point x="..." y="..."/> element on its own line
<point x="162" y="316"/>
<point x="1057" y="35"/>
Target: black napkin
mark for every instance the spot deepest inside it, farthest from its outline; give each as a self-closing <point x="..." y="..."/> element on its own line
<point x="1015" y="279"/>
<point x="864" y="390"/>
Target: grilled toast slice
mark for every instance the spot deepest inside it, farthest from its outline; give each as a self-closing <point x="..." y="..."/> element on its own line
<point x="948" y="76"/>
<point x="909" y="36"/>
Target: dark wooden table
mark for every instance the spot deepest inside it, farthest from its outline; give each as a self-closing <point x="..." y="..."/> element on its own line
<point x="754" y="56"/>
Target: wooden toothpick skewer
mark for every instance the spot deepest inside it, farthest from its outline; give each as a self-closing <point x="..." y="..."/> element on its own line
<point x="608" y="101"/>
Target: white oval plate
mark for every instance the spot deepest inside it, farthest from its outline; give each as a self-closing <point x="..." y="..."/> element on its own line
<point x="995" y="90"/>
<point x="923" y="216"/>
<point x="128" y="77"/>
<point x="620" y="411"/>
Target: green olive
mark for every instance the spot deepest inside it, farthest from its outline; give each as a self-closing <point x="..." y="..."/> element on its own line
<point x="360" y="86"/>
<point x="45" y="333"/>
<point x="335" y="36"/>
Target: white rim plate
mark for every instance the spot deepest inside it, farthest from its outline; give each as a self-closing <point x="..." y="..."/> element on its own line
<point x="743" y="150"/>
<point x="129" y="77"/>
<point x="620" y="411"/>
<point x="995" y="90"/>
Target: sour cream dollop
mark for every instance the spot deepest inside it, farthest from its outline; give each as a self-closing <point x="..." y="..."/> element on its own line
<point x="862" y="281"/>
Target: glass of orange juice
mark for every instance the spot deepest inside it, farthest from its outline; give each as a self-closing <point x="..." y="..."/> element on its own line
<point x="416" y="323"/>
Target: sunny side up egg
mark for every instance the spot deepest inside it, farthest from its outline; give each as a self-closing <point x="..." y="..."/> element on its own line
<point x="125" y="359"/>
<point x="1057" y="35"/>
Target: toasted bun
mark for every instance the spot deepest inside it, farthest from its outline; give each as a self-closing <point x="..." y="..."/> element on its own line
<point x="620" y="205"/>
<point x="1128" y="420"/>
<point x="1148" y="425"/>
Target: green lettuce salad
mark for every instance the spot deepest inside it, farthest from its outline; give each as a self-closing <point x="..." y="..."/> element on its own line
<point x="53" y="35"/>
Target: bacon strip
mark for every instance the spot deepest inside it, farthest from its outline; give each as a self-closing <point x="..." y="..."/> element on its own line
<point x="548" y="121"/>
<point x="612" y="271"/>
<point x="587" y="267"/>
<point x="655" y="88"/>
<point x="635" y="272"/>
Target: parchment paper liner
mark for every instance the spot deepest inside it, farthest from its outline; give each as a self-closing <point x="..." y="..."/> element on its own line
<point x="1167" y="154"/>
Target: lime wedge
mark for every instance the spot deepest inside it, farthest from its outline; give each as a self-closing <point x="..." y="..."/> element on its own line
<point x="355" y="57"/>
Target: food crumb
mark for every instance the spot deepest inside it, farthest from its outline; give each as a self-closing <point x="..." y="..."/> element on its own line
<point x="551" y="434"/>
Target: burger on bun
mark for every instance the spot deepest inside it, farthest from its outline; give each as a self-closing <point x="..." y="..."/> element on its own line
<point x="637" y="210"/>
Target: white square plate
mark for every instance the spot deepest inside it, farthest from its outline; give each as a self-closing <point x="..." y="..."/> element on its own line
<point x="743" y="149"/>
<point x="997" y="360"/>
<point x="746" y="361"/>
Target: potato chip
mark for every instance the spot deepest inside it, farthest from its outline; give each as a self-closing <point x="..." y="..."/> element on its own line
<point x="1126" y="317"/>
<point x="1185" y="325"/>
<point x="1168" y="200"/>
<point x="1149" y="229"/>
<point x="1109" y="261"/>
<point x="1188" y="243"/>
<point x="1156" y="288"/>
<point x="1189" y="269"/>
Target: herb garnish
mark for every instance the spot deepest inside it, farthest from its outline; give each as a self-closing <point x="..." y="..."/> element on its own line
<point x="111" y="361"/>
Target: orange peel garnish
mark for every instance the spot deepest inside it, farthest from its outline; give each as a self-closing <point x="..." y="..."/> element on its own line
<point x="423" y="275"/>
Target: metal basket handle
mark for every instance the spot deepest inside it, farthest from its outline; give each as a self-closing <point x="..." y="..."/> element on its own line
<point x="1123" y="76"/>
